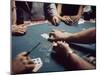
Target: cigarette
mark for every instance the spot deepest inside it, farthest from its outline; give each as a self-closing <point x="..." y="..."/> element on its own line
<point x="33" y="48"/>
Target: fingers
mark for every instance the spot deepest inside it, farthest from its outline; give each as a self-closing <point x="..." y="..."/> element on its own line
<point x="55" y="35"/>
<point x="75" y="18"/>
<point x="24" y="61"/>
<point x="67" y="19"/>
<point x="55" y="21"/>
<point x="64" y="20"/>
<point x="30" y="66"/>
<point x="21" y="29"/>
<point x="51" y="39"/>
<point x="61" y="43"/>
<point x="22" y="54"/>
<point x="51" y="34"/>
<point x="64" y="46"/>
<point x="27" y="60"/>
<point x="23" y="57"/>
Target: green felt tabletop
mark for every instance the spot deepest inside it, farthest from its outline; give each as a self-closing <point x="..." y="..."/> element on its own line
<point x="44" y="50"/>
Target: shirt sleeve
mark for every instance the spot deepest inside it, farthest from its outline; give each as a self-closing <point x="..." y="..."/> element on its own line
<point x="51" y="9"/>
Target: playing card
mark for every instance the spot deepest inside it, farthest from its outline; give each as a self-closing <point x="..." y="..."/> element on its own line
<point x="38" y="63"/>
<point x="45" y="35"/>
<point x="81" y="21"/>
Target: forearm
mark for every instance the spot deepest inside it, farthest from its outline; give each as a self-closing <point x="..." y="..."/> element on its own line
<point x="78" y="63"/>
<point x="80" y="12"/>
<point x="13" y="12"/>
<point x="59" y="7"/>
<point x="87" y="36"/>
<point x="60" y="17"/>
<point x="14" y="16"/>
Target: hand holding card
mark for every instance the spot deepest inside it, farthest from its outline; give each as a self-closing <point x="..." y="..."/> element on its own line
<point x="38" y="63"/>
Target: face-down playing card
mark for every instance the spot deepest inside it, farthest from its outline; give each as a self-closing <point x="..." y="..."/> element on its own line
<point x="45" y="35"/>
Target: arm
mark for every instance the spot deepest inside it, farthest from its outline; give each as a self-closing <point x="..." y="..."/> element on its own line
<point x="64" y="18"/>
<point x="16" y="29"/>
<point x="13" y="17"/>
<point x="78" y="63"/>
<point x="52" y="13"/>
<point x="76" y="17"/>
<point x="80" y="12"/>
<point x="59" y="7"/>
<point x="74" y="61"/>
<point x="22" y="64"/>
<point x="86" y="36"/>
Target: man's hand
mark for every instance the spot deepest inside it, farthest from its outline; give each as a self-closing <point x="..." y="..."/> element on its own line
<point x="67" y="19"/>
<point x="75" y="18"/>
<point x="19" y="29"/>
<point x="22" y="64"/>
<point x="63" y="47"/>
<point x="72" y="59"/>
<point x="55" y="20"/>
<point x="57" y="35"/>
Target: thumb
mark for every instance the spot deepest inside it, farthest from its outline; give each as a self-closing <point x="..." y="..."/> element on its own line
<point x="51" y="39"/>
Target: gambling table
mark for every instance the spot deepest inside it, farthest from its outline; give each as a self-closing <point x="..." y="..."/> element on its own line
<point x="44" y="50"/>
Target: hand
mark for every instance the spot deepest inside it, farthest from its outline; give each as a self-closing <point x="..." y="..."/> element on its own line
<point x="67" y="19"/>
<point x="22" y="64"/>
<point x="75" y="18"/>
<point x="19" y="29"/>
<point x="64" y="47"/>
<point x="55" y="20"/>
<point x="56" y="35"/>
